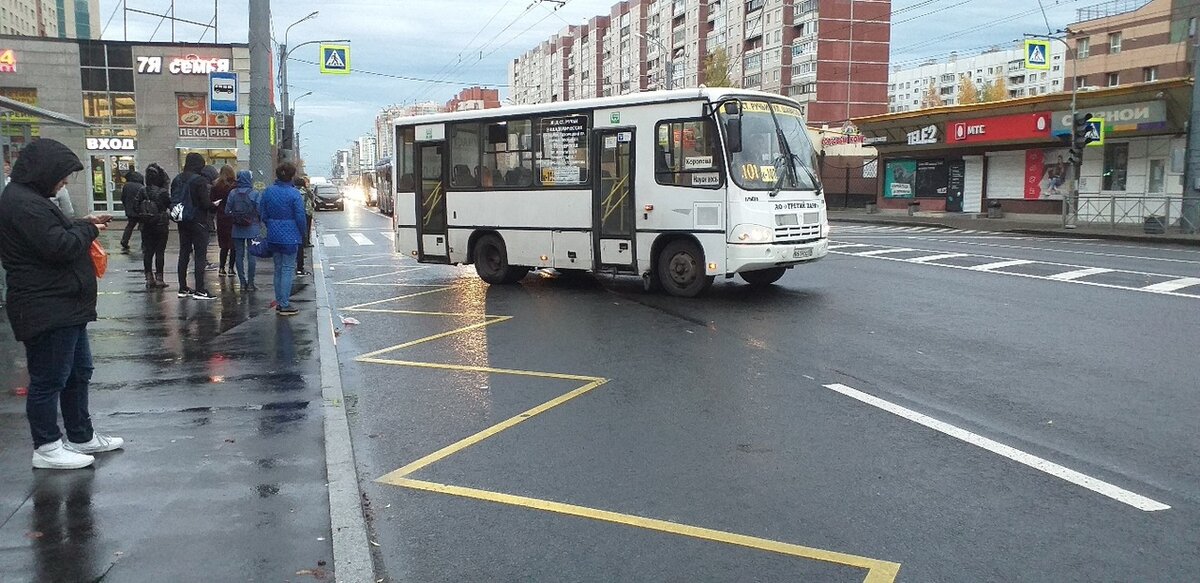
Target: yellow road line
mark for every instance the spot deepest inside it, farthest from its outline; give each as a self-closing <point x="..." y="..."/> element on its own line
<point x="486" y="433"/>
<point x="411" y="269"/>
<point x="877" y="571"/>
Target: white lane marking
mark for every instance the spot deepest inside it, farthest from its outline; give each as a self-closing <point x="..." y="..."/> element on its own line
<point x="846" y="245"/>
<point x="929" y="258"/>
<point x="882" y="251"/>
<point x="1078" y="273"/>
<point x="1041" y="277"/>
<point x="361" y="239"/>
<point x="999" y="264"/>
<point x="387" y="235"/>
<point x="1041" y="464"/>
<point x="974" y="241"/>
<point x="1173" y="285"/>
<point x="331" y="241"/>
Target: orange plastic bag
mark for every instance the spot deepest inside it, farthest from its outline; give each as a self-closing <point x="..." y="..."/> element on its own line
<point x="99" y="258"/>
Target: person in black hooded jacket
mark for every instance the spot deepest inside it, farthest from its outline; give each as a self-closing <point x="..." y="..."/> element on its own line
<point x="51" y="299"/>
<point x="134" y="184"/>
<point x="156" y="229"/>
<point x="193" y="232"/>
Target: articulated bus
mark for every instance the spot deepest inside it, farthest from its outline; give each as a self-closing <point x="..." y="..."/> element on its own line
<point x="677" y="187"/>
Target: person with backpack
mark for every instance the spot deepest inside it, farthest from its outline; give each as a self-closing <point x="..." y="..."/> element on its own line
<point x="282" y="211"/>
<point x="226" y="182"/>
<point x="241" y="209"/>
<point x="191" y="207"/>
<point x="310" y="207"/>
<point x="134" y="184"/>
<point x="150" y="208"/>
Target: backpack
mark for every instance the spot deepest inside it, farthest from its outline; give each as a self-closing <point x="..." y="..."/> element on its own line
<point x="241" y="209"/>
<point x="182" y="209"/>
<point x="145" y="208"/>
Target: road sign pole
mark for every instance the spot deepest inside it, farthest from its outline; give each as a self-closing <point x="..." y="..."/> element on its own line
<point x="261" y="165"/>
<point x="1189" y="221"/>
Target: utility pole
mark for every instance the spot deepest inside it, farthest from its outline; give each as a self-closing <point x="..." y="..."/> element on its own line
<point x="1189" y="222"/>
<point x="261" y="109"/>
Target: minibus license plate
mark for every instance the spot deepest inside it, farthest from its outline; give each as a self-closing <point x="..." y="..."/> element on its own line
<point x="802" y="253"/>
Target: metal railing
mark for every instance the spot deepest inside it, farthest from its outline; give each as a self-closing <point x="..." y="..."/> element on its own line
<point x="1126" y="212"/>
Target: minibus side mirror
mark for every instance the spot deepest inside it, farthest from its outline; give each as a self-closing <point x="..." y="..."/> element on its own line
<point x="733" y="134"/>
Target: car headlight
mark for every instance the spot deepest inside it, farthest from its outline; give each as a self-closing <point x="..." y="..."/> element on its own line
<point x="747" y="233"/>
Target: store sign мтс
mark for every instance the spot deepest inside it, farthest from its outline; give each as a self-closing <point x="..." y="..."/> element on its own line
<point x="1025" y="126"/>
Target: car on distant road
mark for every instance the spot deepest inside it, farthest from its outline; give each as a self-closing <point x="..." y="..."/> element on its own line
<point x="328" y="196"/>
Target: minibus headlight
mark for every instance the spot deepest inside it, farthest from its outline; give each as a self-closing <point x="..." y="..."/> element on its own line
<point x="748" y="233"/>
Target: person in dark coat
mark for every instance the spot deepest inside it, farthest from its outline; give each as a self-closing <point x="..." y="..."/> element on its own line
<point x="156" y="229"/>
<point x="193" y="232"/>
<point x="51" y="299"/>
<point x="134" y="183"/>
<point x="226" y="182"/>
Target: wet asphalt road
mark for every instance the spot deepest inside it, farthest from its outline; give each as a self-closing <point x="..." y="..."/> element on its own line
<point x="222" y="477"/>
<point x="714" y="413"/>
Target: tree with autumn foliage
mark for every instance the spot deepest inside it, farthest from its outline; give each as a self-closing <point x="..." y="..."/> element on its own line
<point x="932" y="98"/>
<point x="996" y="90"/>
<point x="967" y="91"/>
<point x="716" y="69"/>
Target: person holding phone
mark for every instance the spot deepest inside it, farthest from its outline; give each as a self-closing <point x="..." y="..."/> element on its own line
<point x="51" y="300"/>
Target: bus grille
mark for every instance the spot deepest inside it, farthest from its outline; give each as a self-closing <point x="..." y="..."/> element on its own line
<point x="802" y="232"/>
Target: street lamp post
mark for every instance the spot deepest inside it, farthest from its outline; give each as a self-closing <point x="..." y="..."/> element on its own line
<point x="292" y="107"/>
<point x="668" y="64"/>
<point x="283" y="80"/>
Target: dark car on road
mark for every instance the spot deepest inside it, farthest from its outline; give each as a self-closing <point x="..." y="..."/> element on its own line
<point x="329" y="197"/>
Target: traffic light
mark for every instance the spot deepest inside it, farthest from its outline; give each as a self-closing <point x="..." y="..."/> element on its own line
<point x="1082" y="133"/>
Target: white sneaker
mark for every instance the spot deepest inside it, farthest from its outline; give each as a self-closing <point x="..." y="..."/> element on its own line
<point x="56" y="456"/>
<point x="100" y="443"/>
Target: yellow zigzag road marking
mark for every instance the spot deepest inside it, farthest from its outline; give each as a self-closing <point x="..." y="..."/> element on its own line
<point x="877" y="571"/>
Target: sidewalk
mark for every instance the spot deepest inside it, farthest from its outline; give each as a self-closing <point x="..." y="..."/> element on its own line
<point x="1045" y="225"/>
<point x="223" y="473"/>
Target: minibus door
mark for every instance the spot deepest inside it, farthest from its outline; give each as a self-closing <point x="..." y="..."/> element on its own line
<point x="430" y="164"/>
<point x="614" y="215"/>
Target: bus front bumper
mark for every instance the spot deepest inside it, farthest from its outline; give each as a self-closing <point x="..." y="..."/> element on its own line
<point x="768" y="255"/>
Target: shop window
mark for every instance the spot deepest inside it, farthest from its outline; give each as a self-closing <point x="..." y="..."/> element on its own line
<point x="93" y="79"/>
<point x="686" y="154"/>
<point x="92" y="55"/>
<point x="1116" y="166"/>
<point x="120" y="80"/>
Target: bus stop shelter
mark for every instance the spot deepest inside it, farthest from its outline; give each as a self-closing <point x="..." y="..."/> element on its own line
<point x="18" y="119"/>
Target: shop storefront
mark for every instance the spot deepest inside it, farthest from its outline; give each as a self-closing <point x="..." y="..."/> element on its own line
<point x="143" y="103"/>
<point x="960" y="158"/>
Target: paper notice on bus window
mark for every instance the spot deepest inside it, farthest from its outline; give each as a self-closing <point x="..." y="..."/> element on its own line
<point x="625" y="137"/>
<point x="697" y="162"/>
<point x="706" y="179"/>
<point x="610" y="142"/>
<point x="566" y="174"/>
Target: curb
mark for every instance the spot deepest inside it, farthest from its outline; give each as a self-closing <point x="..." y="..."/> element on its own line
<point x="351" y="553"/>
<point x="898" y="223"/>
<point x="1107" y="236"/>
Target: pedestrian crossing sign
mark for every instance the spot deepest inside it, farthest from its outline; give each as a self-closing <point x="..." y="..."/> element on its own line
<point x="335" y="59"/>
<point x="1095" y="133"/>
<point x="1037" y="54"/>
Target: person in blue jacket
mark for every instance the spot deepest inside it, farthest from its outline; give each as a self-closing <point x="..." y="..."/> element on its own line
<point x="242" y="208"/>
<point x="282" y="211"/>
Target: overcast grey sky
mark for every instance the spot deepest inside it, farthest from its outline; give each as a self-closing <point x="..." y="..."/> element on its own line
<point x="444" y="39"/>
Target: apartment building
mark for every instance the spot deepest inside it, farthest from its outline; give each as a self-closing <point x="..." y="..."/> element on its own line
<point x="473" y="98"/>
<point x="1132" y="41"/>
<point x="51" y="18"/>
<point x="339" y="165"/>
<point x="909" y="88"/>
<point x="385" y="140"/>
<point x="830" y="56"/>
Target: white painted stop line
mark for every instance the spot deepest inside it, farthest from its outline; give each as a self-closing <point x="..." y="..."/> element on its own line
<point x="1174" y="284"/>
<point x="331" y="241"/>
<point x="1041" y="464"/>
<point x="361" y="239"/>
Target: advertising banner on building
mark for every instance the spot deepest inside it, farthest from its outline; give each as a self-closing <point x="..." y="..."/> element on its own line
<point x="1047" y="173"/>
<point x="1143" y="116"/>
<point x="13" y="121"/>
<point x="900" y="179"/>
<point x="1025" y="126"/>
<point x="196" y="121"/>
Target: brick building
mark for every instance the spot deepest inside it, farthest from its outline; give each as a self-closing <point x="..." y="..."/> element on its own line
<point x="1131" y="41"/>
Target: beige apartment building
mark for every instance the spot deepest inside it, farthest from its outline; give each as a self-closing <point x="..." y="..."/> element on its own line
<point x="832" y="57"/>
<point x="1131" y="41"/>
<point x="51" y="18"/>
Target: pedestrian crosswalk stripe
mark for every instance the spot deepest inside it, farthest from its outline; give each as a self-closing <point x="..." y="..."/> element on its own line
<point x="999" y="264"/>
<point x="386" y="235"/>
<point x="1078" y="273"/>
<point x="938" y="257"/>
<point x="845" y="245"/>
<point x="1174" y="284"/>
<point x="331" y="241"/>
<point x="882" y="251"/>
<point x="361" y="239"/>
